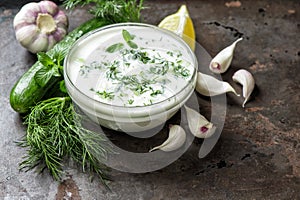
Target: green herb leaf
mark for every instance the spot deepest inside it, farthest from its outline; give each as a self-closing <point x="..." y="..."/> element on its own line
<point x="49" y="69"/>
<point x="155" y="93"/>
<point x="132" y="44"/>
<point x="127" y="36"/>
<point x="130" y="101"/>
<point x="128" y="39"/>
<point x="55" y="130"/>
<point x="113" y="70"/>
<point x="179" y="70"/>
<point x="62" y="86"/>
<point x="45" y="59"/>
<point x="114" y="10"/>
<point x="115" y="47"/>
<point x="106" y="95"/>
<point x="43" y="75"/>
<point x="159" y="69"/>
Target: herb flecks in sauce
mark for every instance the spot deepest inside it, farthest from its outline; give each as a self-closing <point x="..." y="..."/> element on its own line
<point x="130" y="101"/>
<point x="112" y="71"/>
<point x="106" y="95"/>
<point x="135" y="73"/>
<point x="85" y="69"/>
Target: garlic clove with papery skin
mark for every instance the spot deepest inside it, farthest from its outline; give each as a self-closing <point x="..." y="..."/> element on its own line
<point x="199" y="126"/>
<point x="221" y="62"/>
<point x="39" y="26"/>
<point x="246" y="79"/>
<point x="175" y="140"/>
<point x="210" y="86"/>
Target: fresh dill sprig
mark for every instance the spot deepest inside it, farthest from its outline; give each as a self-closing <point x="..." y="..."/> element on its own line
<point x="55" y="131"/>
<point x="114" y="10"/>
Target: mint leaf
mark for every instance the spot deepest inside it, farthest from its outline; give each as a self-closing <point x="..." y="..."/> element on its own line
<point x="132" y="44"/>
<point x="115" y="47"/>
<point x="55" y="71"/>
<point x="128" y="39"/>
<point x="43" y="75"/>
<point x="127" y="36"/>
<point x="45" y="59"/>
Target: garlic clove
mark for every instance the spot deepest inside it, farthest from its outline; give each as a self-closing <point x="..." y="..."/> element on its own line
<point x="246" y="79"/>
<point x="30" y="9"/>
<point x="61" y="20"/>
<point x="59" y="33"/>
<point x="198" y="124"/>
<point x="39" y="43"/>
<point x="221" y="62"/>
<point x="48" y="7"/>
<point x="175" y="140"/>
<point x="51" y="41"/>
<point x="27" y="16"/>
<point x="210" y="86"/>
<point x="23" y="33"/>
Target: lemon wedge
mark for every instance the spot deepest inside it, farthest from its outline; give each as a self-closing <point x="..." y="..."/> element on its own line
<point x="181" y="24"/>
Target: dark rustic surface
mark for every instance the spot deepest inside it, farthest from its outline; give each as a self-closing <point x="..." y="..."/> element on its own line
<point x="258" y="153"/>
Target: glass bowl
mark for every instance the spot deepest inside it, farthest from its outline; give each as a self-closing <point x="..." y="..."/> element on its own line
<point x="149" y="73"/>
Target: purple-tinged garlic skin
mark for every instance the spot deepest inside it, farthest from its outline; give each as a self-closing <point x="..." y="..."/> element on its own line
<point x="246" y="79"/>
<point x="215" y="66"/>
<point x="203" y="129"/>
<point x="221" y="62"/>
<point x="199" y="126"/>
<point x="39" y="26"/>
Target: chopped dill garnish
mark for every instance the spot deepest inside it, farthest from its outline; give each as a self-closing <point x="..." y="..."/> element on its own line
<point x="106" y="95"/>
<point x="179" y="70"/>
<point x="113" y="71"/>
<point x="155" y="93"/>
<point x="130" y="101"/>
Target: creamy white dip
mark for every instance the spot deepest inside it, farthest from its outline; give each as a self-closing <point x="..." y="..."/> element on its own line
<point x="130" y="66"/>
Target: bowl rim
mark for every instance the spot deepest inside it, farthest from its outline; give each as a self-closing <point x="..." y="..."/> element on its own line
<point x="190" y="82"/>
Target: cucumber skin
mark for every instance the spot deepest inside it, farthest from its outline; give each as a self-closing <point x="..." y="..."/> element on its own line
<point x="27" y="92"/>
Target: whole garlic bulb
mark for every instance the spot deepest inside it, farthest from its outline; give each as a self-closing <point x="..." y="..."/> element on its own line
<point x="39" y="26"/>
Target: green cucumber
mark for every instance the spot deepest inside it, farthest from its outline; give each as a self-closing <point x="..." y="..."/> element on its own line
<point x="27" y="92"/>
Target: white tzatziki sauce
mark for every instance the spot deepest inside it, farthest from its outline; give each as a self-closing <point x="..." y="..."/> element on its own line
<point x="131" y="66"/>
